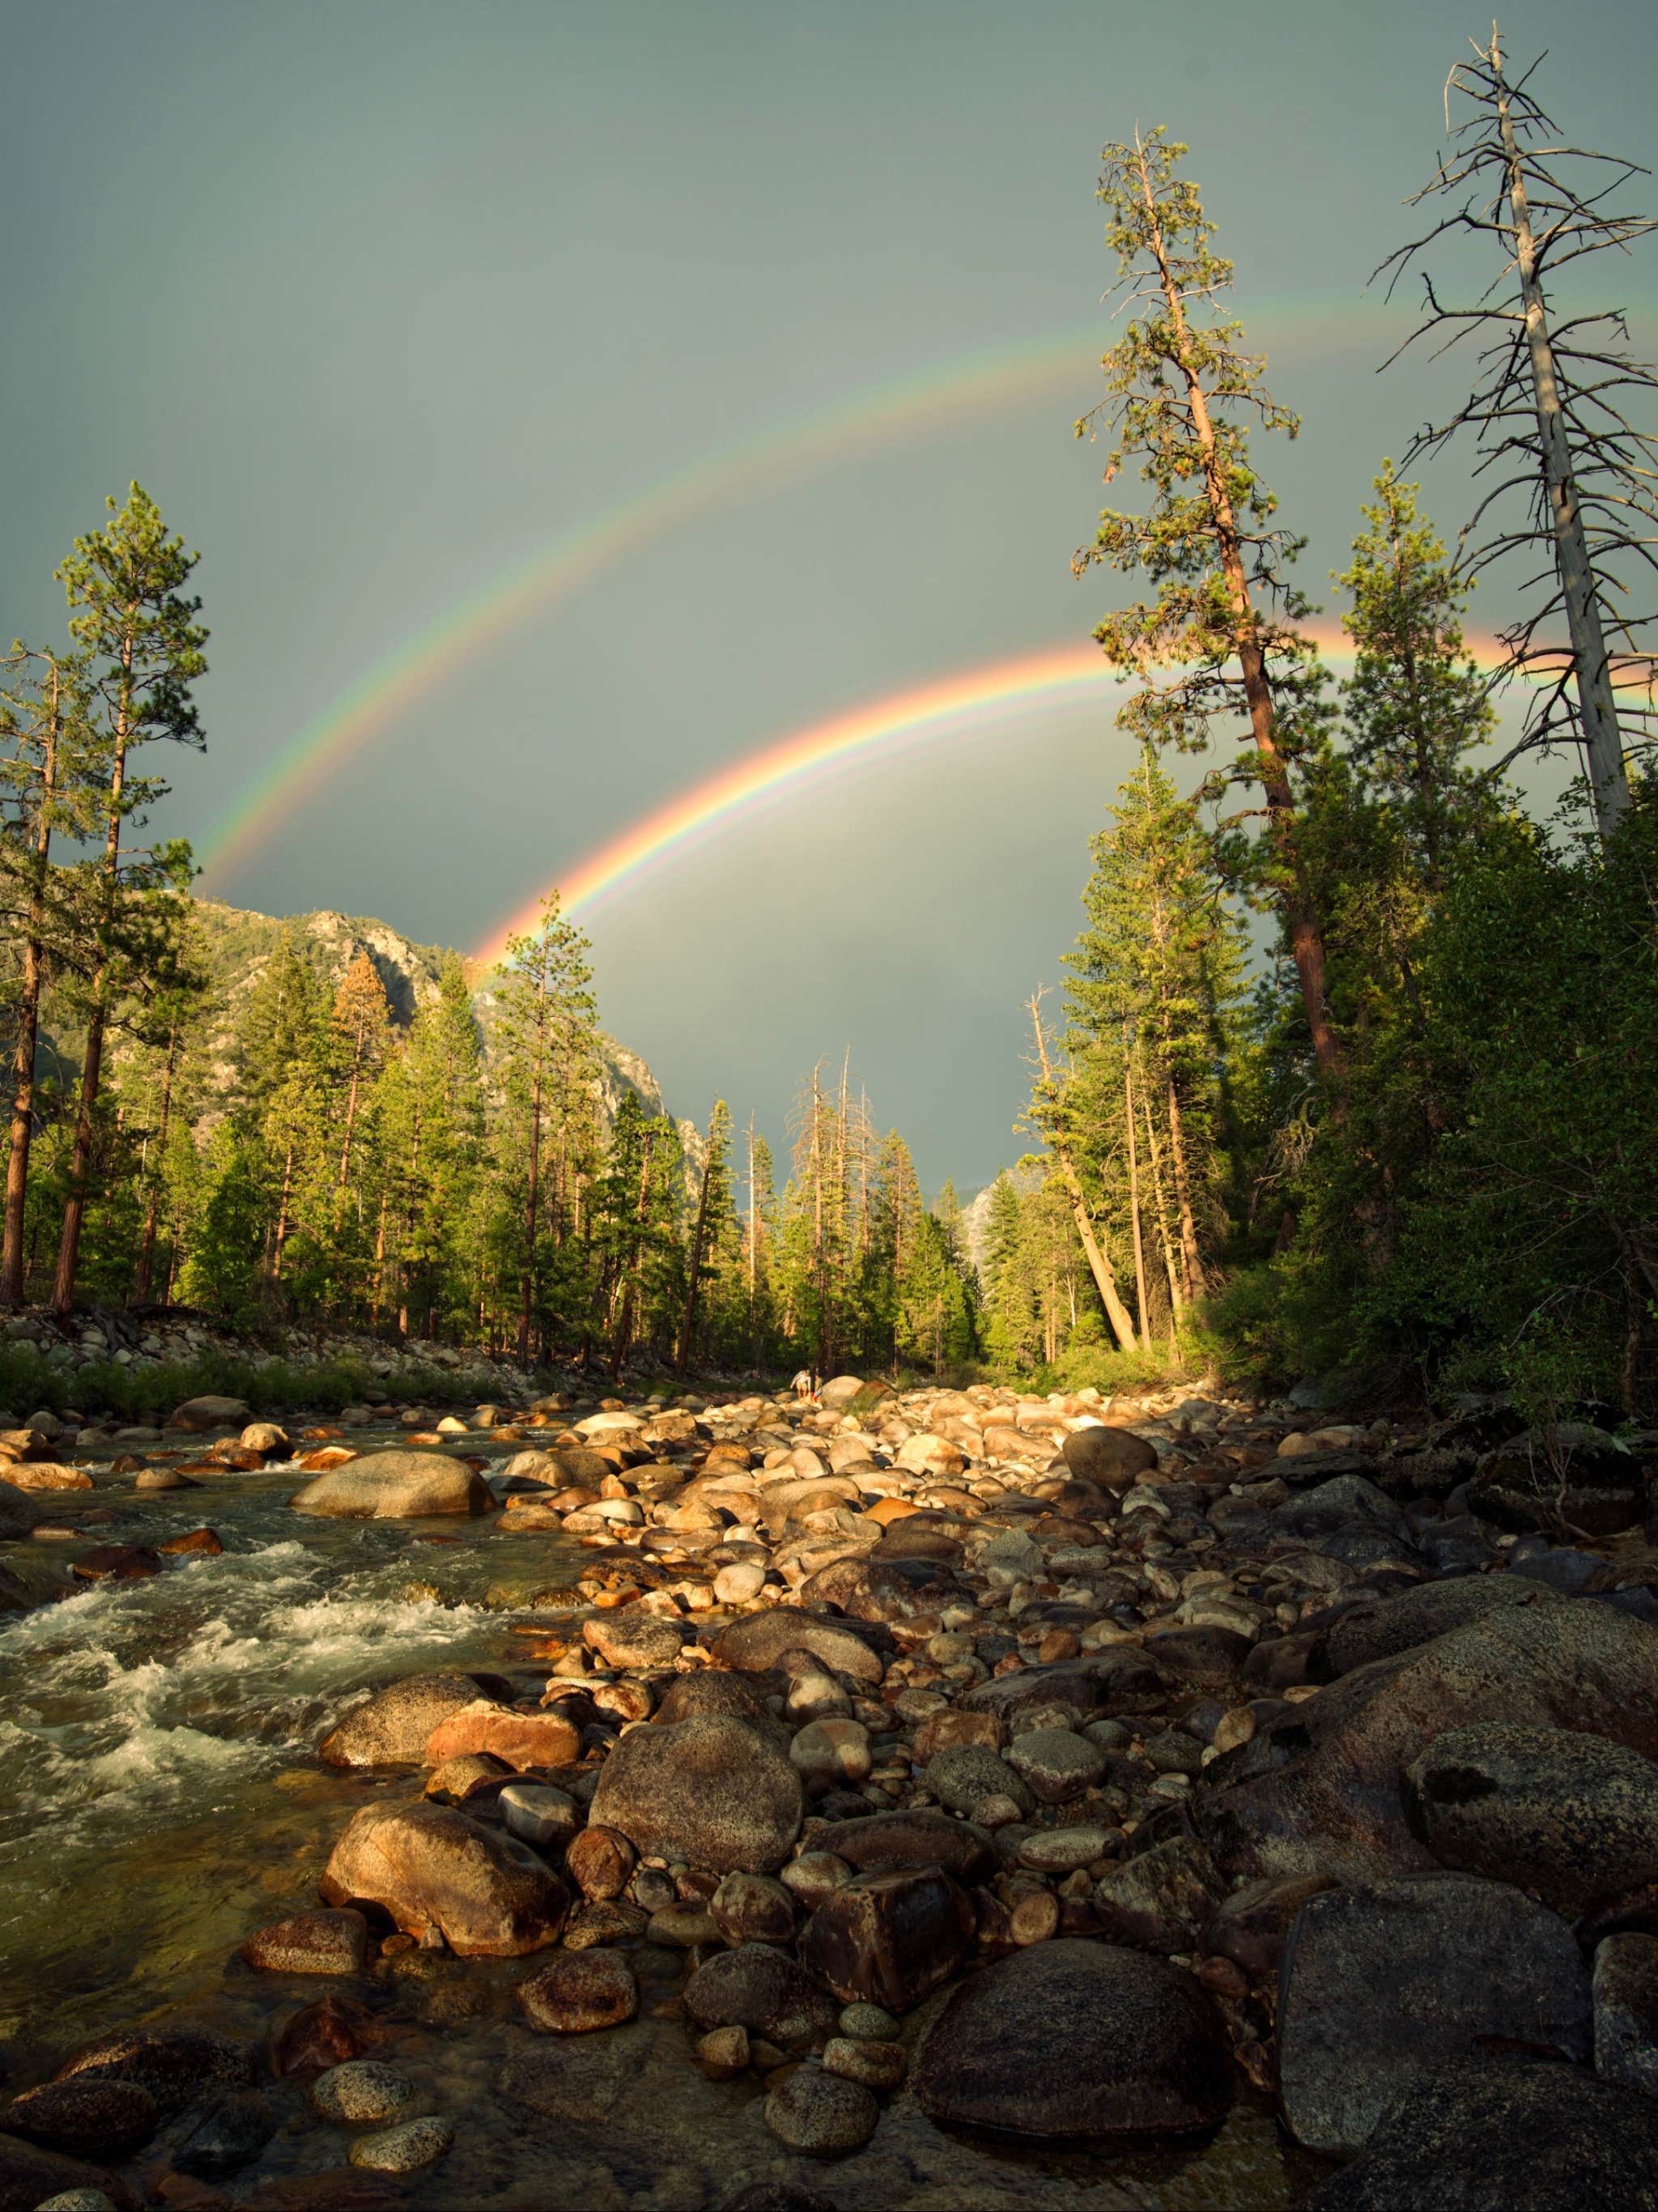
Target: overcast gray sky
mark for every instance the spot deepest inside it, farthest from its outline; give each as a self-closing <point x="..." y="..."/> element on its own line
<point x="378" y="299"/>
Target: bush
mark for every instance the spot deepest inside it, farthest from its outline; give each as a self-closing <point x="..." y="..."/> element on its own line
<point x="29" y="1382"/>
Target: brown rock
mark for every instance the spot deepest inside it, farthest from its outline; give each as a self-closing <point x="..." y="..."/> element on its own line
<point x="204" y="1543"/>
<point x="521" y="1740"/>
<point x="947" y="1731"/>
<point x="600" y="1862"/>
<point x="759" y="1641"/>
<point x="118" y="1563"/>
<point x="30" y="2175"/>
<point x="311" y="1943"/>
<point x="431" y="1867"/>
<point x="321" y="2035"/>
<point x="915" y="1839"/>
<point x="763" y="1990"/>
<point x="711" y="1790"/>
<point x="887" y="1938"/>
<point x="176" y="2067"/>
<point x="580" y="1990"/>
<point x="392" y="1729"/>
<point x="47" y="1475"/>
<point x="88" y="2118"/>
<point x="752" y="1908"/>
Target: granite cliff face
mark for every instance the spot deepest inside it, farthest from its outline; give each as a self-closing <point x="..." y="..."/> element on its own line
<point x="237" y="944"/>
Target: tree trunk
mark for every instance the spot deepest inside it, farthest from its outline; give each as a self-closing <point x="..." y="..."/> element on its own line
<point x="1176" y="1302"/>
<point x="1306" y="942"/>
<point x="74" y="1206"/>
<point x="1197" y="1282"/>
<point x="152" y="1214"/>
<point x="1134" y="1190"/>
<point x="1099" y="1266"/>
<point x="693" y="1274"/>
<point x="526" y="1282"/>
<point x="29" y="1018"/>
<point x="1597" y="706"/>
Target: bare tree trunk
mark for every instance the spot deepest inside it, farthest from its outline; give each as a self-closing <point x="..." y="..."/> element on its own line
<point x="693" y="1272"/>
<point x="282" y="1212"/>
<point x="1098" y="1265"/>
<point x="1135" y="1188"/>
<point x="630" y="1272"/>
<point x="526" y="1281"/>
<point x="28" y="1017"/>
<point x="1591" y="665"/>
<point x="1196" y="1281"/>
<point x="1176" y="1302"/>
<point x="1306" y="943"/>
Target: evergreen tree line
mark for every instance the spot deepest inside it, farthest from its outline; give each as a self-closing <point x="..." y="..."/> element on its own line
<point x="458" y="1177"/>
<point x="1358" y="1060"/>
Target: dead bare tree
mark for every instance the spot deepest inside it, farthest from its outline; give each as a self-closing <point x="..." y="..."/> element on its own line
<point x="1548" y="416"/>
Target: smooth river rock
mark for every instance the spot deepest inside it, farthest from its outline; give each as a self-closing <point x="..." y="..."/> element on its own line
<point x="1072" y="2038"/>
<point x="710" y="1790"/>
<point x="393" y="1728"/>
<point x="395" y="1485"/>
<point x="432" y="1867"/>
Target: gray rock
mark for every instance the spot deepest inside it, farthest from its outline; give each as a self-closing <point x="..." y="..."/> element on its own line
<point x="176" y="2066"/>
<point x="1110" y="1457"/>
<point x="1056" y="1764"/>
<point x="1490" y="2134"/>
<point x="392" y="1728"/>
<point x="32" y="2177"/>
<point x="1625" y="1985"/>
<point x="1391" y="1625"/>
<point x="968" y="1774"/>
<point x="406" y="2149"/>
<point x="1317" y="1791"/>
<point x="395" y="1485"/>
<point x="711" y="1790"/>
<point x="360" y="2090"/>
<point x="763" y="1990"/>
<point x="756" y="1643"/>
<point x="1568" y="1816"/>
<point x="1074" y="2038"/>
<point x="633" y="1637"/>
<point x="1378" y="1985"/>
<point x="230" y="2134"/>
<point x="820" y="2114"/>
<point x="1161" y="1899"/>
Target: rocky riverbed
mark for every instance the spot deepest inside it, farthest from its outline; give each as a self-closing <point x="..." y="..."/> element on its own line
<point x="944" y="1800"/>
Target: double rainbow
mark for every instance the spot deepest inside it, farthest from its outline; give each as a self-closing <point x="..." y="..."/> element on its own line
<point x="953" y="710"/>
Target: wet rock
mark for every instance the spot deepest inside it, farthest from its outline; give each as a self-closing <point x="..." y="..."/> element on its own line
<point x="820" y="2114"/>
<point x="321" y="2035"/>
<point x="265" y="1438"/>
<point x="1062" y="1850"/>
<point x="176" y="2067"/>
<point x="607" y="1920"/>
<point x="752" y="1908"/>
<point x="360" y="2090"/>
<point x="710" y="1790"/>
<point x="1504" y="2134"/>
<point x="763" y="1990"/>
<point x="632" y="1637"/>
<point x="813" y="1876"/>
<point x="19" y="1513"/>
<point x="580" y="1991"/>
<point x="392" y="1729"/>
<point x="520" y="1741"/>
<point x="1568" y="1816"/>
<point x="1161" y="1899"/>
<point x="406" y="2149"/>
<point x="580" y="2082"/>
<point x="1075" y="2038"/>
<point x="759" y="1641"/>
<point x="918" y="1838"/>
<point x="1625" y="1991"/>
<point x="1318" y="1792"/>
<point x="47" y="1475"/>
<point x="887" y="1938"/>
<point x="230" y="2134"/>
<point x="116" y="1563"/>
<point x="949" y="1730"/>
<point x="1253" y="1924"/>
<point x="88" y="2118"/>
<point x="777" y="2196"/>
<point x="1110" y="1459"/>
<point x="203" y="1543"/>
<point x="600" y="1862"/>
<point x="395" y="1485"/>
<point x="723" y="2053"/>
<point x="876" y="2065"/>
<point x="967" y="1776"/>
<point x="310" y="1943"/>
<point x="432" y="1867"/>
<point x="1379" y="1983"/>
<point x="31" y="2176"/>
<point x="1056" y="1764"/>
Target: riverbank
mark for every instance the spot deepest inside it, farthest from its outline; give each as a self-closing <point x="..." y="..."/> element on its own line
<point x="947" y="1799"/>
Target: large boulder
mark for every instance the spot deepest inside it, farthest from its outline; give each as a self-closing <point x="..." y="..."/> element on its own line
<point x="711" y="1790"/>
<point x="1112" y="1458"/>
<point x="763" y="1990"/>
<point x="211" y="1413"/>
<point x="433" y="1868"/>
<point x="1075" y="2038"/>
<point x="1568" y="1816"/>
<point x="395" y="1485"/>
<point x="1504" y="2134"/>
<point x="1318" y="1791"/>
<point x="1383" y="1627"/>
<point x="756" y="1644"/>
<point x="392" y="1729"/>
<point x="1379" y="1984"/>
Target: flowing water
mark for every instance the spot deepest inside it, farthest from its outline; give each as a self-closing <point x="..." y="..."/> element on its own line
<point x="160" y="1798"/>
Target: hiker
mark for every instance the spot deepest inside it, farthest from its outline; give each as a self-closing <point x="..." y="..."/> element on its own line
<point x="805" y="1385"/>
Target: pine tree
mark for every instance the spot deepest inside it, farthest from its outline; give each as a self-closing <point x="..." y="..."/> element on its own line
<point x="712" y="1204"/>
<point x="1178" y="392"/>
<point x="132" y="618"/>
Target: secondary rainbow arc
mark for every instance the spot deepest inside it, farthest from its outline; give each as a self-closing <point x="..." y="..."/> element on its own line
<point x="951" y="709"/>
<point x="758" y="466"/>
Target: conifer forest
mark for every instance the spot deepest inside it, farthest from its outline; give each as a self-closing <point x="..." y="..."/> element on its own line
<point x="589" y="1644"/>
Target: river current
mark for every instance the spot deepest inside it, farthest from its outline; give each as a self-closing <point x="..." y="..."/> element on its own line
<point x="160" y="1798"/>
